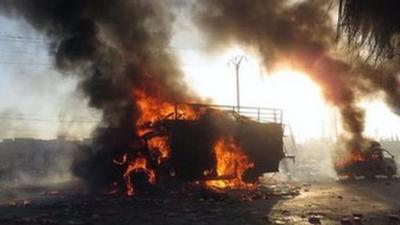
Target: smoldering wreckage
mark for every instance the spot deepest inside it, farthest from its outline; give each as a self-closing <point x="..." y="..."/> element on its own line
<point x="154" y="132"/>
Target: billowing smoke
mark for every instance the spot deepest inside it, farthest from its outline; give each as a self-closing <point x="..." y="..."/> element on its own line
<point x="115" y="48"/>
<point x="300" y="34"/>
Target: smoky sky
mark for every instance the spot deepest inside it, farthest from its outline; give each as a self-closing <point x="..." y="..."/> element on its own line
<point x="120" y="46"/>
<point x="303" y="35"/>
<point x="113" y="46"/>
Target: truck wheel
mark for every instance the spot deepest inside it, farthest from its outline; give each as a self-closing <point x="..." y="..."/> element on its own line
<point x="390" y="172"/>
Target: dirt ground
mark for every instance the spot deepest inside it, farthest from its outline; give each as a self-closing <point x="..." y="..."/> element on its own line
<point x="332" y="202"/>
<point x="342" y="202"/>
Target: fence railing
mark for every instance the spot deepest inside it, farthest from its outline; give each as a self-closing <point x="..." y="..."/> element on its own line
<point x="260" y="114"/>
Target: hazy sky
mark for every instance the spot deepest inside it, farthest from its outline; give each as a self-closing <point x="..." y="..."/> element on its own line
<point x="35" y="98"/>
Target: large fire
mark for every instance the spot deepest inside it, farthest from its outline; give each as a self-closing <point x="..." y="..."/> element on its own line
<point x="231" y="162"/>
<point x="153" y="109"/>
<point x="138" y="164"/>
<point x="160" y="144"/>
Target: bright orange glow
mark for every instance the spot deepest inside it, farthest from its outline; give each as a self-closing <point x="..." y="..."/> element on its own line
<point x="285" y="87"/>
<point x="153" y="109"/>
<point x="160" y="144"/>
<point x="139" y="164"/>
<point x="231" y="161"/>
<point x="354" y="156"/>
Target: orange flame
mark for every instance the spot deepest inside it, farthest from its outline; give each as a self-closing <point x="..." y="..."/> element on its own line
<point x="153" y="109"/>
<point x="139" y="164"/>
<point x="354" y="156"/>
<point x="160" y="144"/>
<point x="231" y="162"/>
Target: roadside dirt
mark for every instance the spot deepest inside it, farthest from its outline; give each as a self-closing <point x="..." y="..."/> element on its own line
<point x="334" y="202"/>
<point x="342" y="202"/>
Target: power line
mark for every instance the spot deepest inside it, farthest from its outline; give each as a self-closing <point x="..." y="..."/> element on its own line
<point x="30" y="131"/>
<point x="49" y="64"/>
<point x="46" y="120"/>
<point x="13" y="38"/>
<point x="6" y="52"/>
<point x="22" y="37"/>
<point x="19" y="38"/>
<point x="24" y="41"/>
<point x="25" y="63"/>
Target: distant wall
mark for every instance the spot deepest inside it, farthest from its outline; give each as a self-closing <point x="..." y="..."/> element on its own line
<point x="26" y="159"/>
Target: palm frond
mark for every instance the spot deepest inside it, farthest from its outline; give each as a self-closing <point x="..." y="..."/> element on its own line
<point x="371" y="23"/>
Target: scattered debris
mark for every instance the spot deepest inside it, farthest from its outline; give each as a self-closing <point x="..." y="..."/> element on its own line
<point x="357" y="217"/>
<point x="26" y="203"/>
<point x="314" y="219"/>
<point x="12" y="204"/>
<point x="278" y="222"/>
<point x="394" y="217"/>
<point x="346" y="221"/>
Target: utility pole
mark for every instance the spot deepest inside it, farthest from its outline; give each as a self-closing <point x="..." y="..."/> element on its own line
<point x="236" y="61"/>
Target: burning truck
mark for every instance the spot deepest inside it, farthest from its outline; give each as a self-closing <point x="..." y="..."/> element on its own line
<point x="212" y="145"/>
<point x="369" y="162"/>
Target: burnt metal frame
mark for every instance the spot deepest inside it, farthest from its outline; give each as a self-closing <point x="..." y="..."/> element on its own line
<point x="258" y="114"/>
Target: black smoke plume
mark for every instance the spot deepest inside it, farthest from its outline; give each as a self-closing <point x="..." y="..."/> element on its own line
<point x="114" y="47"/>
<point x="303" y="35"/>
